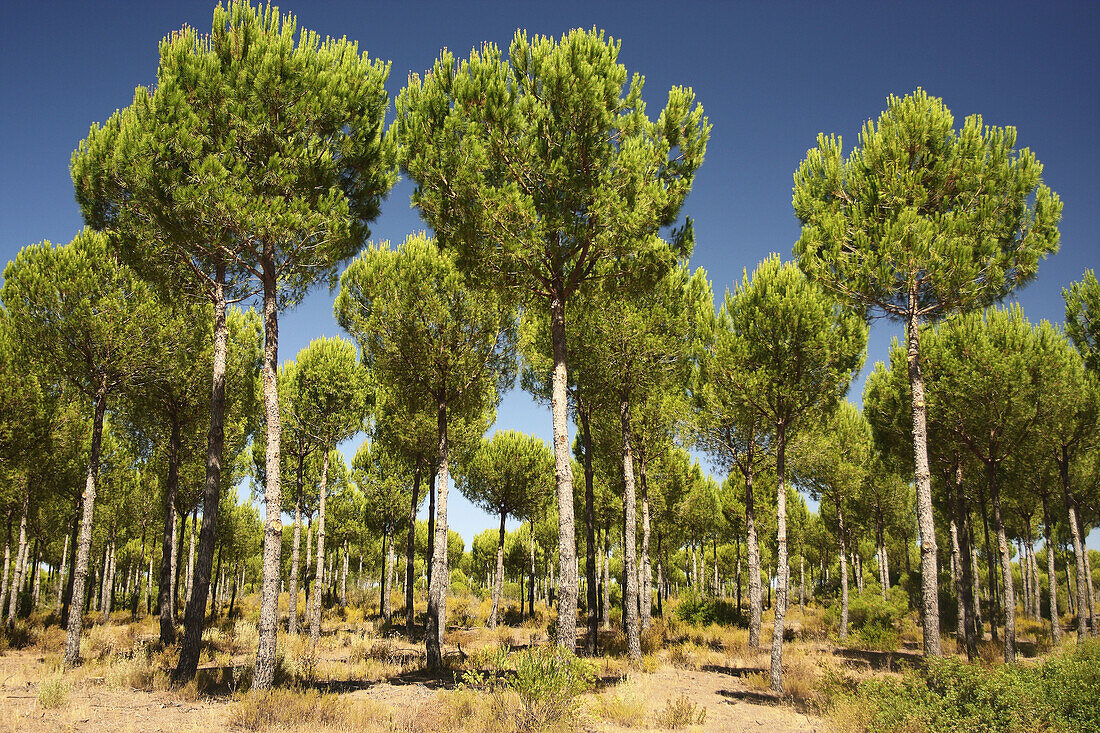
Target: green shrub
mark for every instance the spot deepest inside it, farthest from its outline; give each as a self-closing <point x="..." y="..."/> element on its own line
<point x="700" y="609"/>
<point x="52" y="693"/>
<point x="680" y="713"/>
<point x="1060" y="694"/>
<point x="545" y="680"/>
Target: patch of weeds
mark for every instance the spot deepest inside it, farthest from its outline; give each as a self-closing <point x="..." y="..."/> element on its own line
<point x="680" y="713"/>
<point x="53" y="692"/>
<point x="621" y="708"/>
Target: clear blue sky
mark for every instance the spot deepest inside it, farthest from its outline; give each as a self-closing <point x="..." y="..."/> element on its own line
<point x="770" y="75"/>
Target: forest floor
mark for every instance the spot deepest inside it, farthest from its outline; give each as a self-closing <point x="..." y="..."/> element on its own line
<point x="368" y="677"/>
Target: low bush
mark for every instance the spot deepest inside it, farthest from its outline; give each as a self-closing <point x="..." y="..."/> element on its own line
<point x="874" y="622"/>
<point x="53" y="692"/>
<point x="1059" y="694"/>
<point x="701" y="609"/>
<point x="680" y="713"/>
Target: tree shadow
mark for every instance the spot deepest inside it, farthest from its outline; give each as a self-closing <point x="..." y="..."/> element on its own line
<point x="733" y="671"/>
<point x="879" y="660"/>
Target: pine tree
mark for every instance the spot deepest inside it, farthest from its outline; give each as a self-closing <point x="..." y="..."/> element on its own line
<point x="536" y="169"/>
<point x="920" y="221"/>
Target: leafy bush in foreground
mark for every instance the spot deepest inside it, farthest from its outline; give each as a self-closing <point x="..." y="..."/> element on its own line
<point x="1059" y="694"/>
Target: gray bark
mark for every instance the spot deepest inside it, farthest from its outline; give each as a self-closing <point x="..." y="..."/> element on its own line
<point x="645" y="582"/>
<point x="60" y="569"/>
<point x="437" y="587"/>
<point x="843" y="554"/>
<point x="83" y="549"/>
<point x="756" y="591"/>
<point x="264" y="673"/>
<point x="20" y="554"/>
<point x="782" y="563"/>
<point x="295" y="549"/>
<point x="498" y="576"/>
<point x="630" y="557"/>
<point x="1008" y="594"/>
<point x="563" y="471"/>
<point x="318" y="591"/>
<point x="930" y="608"/>
<point x="410" y="552"/>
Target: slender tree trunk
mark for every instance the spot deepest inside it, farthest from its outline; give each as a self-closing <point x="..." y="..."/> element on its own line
<point x="630" y="557"/>
<point x="217" y="588"/>
<point x="1035" y="583"/>
<point x="801" y="579"/>
<point x="4" y="589"/>
<point x="344" y="576"/>
<point x="273" y="526"/>
<point x="782" y="564"/>
<point x="531" y="577"/>
<point x="21" y="551"/>
<point x="109" y="582"/>
<point x="756" y="591"/>
<point x="1088" y="587"/>
<point x="431" y="536"/>
<point x="660" y="578"/>
<point x="308" y="570"/>
<point x="318" y="591"/>
<point x="957" y="583"/>
<point x="83" y="549"/>
<point x="737" y="539"/>
<point x="295" y="549"/>
<point x="1052" y="576"/>
<point x="1078" y="546"/>
<point x="841" y="544"/>
<point x="60" y="569"/>
<point x="437" y="590"/>
<point x="605" y="605"/>
<point x="563" y="471"/>
<point x="967" y="597"/>
<point x="200" y="585"/>
<point x="410" y="551"/>
<point x="1009" y="592"/>
<point x="645" y="583"/>
<point x="584" y="412"/>
<point x="189" y="583"/>
<point x="498" y="575"/>
<point x="930" y="608"/>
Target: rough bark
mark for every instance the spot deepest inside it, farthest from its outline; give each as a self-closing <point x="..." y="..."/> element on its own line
<point x="1008" y="592"/>
<point x="318" y="592"/>
<point x="295" y="549"/>
<point x="630" y="557"/>
<point x="645" y="581"/>
<point x="20" y="562"/>
<point x="756" y="591"/>
<point x="930" y="608"/>
<point x="264" y="673"/>
<point x="60" y="569"/>
<point x="605" y="601"/>
<point x="215" y="441"/>
<point x="1052" y="576"/>
<point x="437" y="587"/>
<point x="190" y="576"/>
<point x="957" y="583"/>
<point x="498" y="575"/>
<point x="1078" y="546"/>
<point x="410" y="551"/>
<point x="84" y="546"/>
<point x="563" y="472"/>
<point x="590" y="568"/>
<point x="971" y="627"/>
<point x="843" y="555"/>
<point x="782" y="563"/>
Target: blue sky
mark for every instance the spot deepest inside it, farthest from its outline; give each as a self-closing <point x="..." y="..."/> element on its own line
<point x="770" y="76"/>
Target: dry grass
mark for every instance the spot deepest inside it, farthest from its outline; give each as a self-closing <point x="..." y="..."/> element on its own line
<point x="680" y="713"/>
<point x="307" y="710"/>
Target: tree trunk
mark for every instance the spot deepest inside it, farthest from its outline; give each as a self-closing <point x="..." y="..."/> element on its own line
<point x="344" y="576"/>
<point x="410" y="551"/>
<point x="200" y="581"/>
<point x="630" y="557"/>
<point x="1052" y="576"/>
<point x="190" y="577"/>
<point x="109" y="583"/>
<point x="563" y="472"/>
<point x="1078" y="546"/>
<point x="645" y="582"/>
<point x="295" y="548"/>
<point x="318" y="592"/>
<point x="437" y="588"/>
<point x="967" y="597"/>
<point x="929" y="578"/>
<point x="264" y="673"/>
<point x="756" y="591"/>
<point x="531" y="577"/>
<point x="605" y="604"/>
<point x="782" y="565"/>
<point x="801" y="580"/>
<point x="590" y="570"/>
<point x="60" y="569"/>
<point x="307" y="569"/>
<point x="431" y="536"/>
<point x="498" y="575"/>
<point x="21" y="551"/>
<point x="957" y="583"/>
<point x="83" y="549"/>
<point x="841" y="544"/>
<point x="4" y="589"/>
<point x="383" y="581"/>
<point x="1009" y="592"/>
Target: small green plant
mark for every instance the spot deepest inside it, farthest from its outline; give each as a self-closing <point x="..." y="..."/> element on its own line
<point x="53" y="692"/>
<point x="680" y="713"/>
